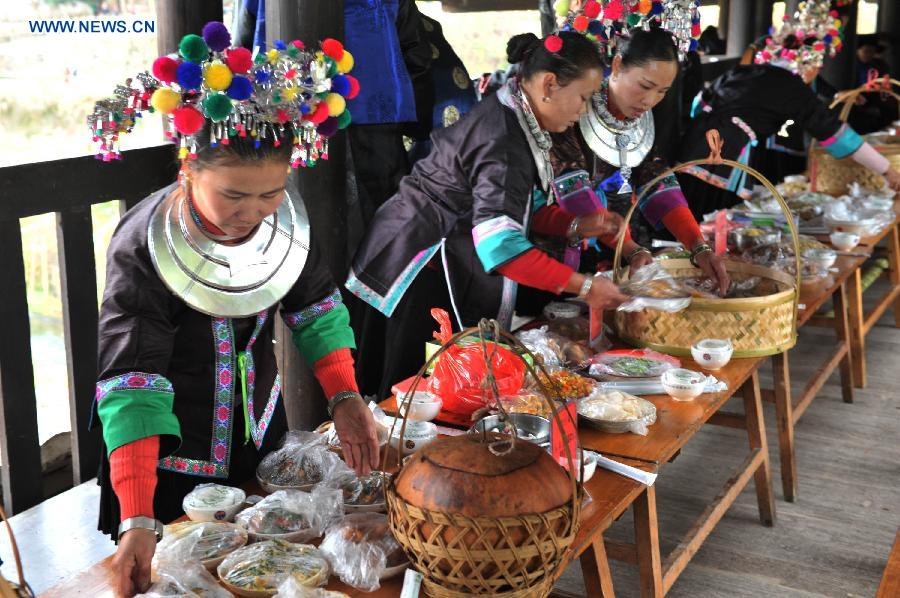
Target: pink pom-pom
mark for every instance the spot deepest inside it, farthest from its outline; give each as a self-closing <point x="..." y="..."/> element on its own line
<point x="553" y="43"/>
<point x="333" y="49"/>
<point x="321" y="113"/>
<point x="165" y="69"/>
<point x="695" y="30"/>
<point x="834" y="14"/>
<point x="819" y="46"/>
<point x="354" y="87"/>
<point x="187" y="120"/>
<point x="766" y="55"/>
<point x="239" y="60"/>
<point x="298" y="44"/>
<point x="592" y="9"/>
<point x="614" y="10"/>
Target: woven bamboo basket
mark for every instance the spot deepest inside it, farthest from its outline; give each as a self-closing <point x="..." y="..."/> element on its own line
<point x="507" y="557"/>
<point x="830" y="175"/>
<point x="757" y="326"/>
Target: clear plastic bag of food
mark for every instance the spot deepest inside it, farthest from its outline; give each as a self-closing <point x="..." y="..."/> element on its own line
<point x="361" y="493"/>
<point x="184" y="579"/>
<point x="653" y="287"/>
<point x="616" y="411"/>
<point x="293" y="515"/>
<point x="568" y="385"/>
<point x="303" y="461"/>
<point x="329" y="432"/>
<point x="291" y="588"/>
<point x="544" y="344"/>
<point x="204" y="541"/>
<point x="634" y="364"/>
<point x="263" y="567"/>
<point x="362" y="550"/>
<point x="526" y="402"/>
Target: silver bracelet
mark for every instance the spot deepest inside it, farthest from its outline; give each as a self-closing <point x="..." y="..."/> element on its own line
<point x="141" y="522"/>
<point x="574" y="237"/>
<point x="339" y="397"/>
<point x="637" y="251"/>
<point x="586" y="287"/>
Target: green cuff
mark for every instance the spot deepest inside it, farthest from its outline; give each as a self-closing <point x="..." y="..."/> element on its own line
<point x="132" y="414"/>
<point x="325" y="334"/>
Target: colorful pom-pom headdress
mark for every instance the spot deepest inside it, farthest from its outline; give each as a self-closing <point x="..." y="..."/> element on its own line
<point x="803" y="41"/>
<point x="289" y="93"/>
<point x="604" y="21"/>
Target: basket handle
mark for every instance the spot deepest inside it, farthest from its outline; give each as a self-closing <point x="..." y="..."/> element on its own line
<point x="715" y="158"/>
<point x="520" y="350"/>
<point x="15" y="548"/>
<point x="848" y="98"/>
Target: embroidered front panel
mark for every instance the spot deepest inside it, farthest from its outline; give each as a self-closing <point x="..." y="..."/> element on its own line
<point x="388" y="303"/>
<point x="258" y="429"/>
<point x="132" y="381"/>
<point x="300" y="318"/>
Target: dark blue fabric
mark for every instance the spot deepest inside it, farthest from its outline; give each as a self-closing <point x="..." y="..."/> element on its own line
<point x="386" y="93"/>
<point x="257" y="9"/>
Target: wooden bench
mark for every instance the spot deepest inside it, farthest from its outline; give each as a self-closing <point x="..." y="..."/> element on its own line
<point x="890" y="581"/>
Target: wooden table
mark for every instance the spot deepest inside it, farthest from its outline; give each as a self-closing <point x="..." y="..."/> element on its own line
<point x="787" y="411"/>
<point x="890" y="581"/>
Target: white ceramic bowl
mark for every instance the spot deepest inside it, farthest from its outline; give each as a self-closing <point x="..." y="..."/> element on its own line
<point x="590" y="465"/>
<point x="213" y="502"/>
<point x="712" y="353"/>
<point x="844" y="241"/>
<point x="423" y="407"/>
<point x="682" y="384"/>
<point x="417" y="435"/>
<point x="820" y="259"/>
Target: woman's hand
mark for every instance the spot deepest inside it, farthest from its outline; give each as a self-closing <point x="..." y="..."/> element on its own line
<point x="714" y="268"/>
<point x="893" y="179"/>
<point x="600" y="224"/>
<point x="604" y="294"/>
<point x="355" y="427"/>
<point x="131" y="564"/>
<point x="640" y="257"/>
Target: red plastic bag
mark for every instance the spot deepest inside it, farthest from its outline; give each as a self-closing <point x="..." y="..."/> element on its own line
<point x="460" y="371"/>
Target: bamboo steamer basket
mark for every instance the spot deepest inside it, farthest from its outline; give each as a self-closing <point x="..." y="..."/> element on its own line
<point x="831" y="175"/>
<point x="757" y="326"/>
<point x="486" y="541"/>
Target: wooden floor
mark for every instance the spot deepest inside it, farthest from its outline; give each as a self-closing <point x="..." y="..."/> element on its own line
<point x="835" y="539"/>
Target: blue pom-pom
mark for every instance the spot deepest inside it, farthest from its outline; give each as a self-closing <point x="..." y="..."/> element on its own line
<point x="279" y="44"/>
<point x="216" y="36"/>
<point x="771" y="30"/>
<point x="257" y="143"/>
<point x="695" y="21"/>
<point x="827" y="39"/>
<point x="240" y="89"/>
<point x="340" y="84"/>
<point x="189" y="75"/>
<point x="263" y="76"/>
<point x="657" y="8"/>
<point x="694" y="45"/>
<point x="595" y="27"/>
<point x="305" y="109"/>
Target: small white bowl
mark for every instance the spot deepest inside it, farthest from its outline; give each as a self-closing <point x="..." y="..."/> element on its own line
<point x="844" y="241"/>
<point x="682" y="384"/>
<point x="712" y="353"/>
<point x="417" y="435"/>
<point x="213" y="502"/>
<point x="589" y="458"/>
<point x="423" y="406"/>
<point x="820" y="260"/>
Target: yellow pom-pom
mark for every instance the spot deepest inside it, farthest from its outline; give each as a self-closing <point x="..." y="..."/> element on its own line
<point x="320" y="56"/>
<point x="217" y="76"/>
<point x="289" y="94"/>
<point x="272" y="55"/>
<point x="182" y="153"/>
<point x="336" y="104"/>
<point x="165" y="100"/>
<point x="345" y="64"/>
<point x="837" y="23"/>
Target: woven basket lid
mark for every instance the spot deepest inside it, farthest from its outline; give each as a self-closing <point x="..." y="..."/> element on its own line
<point x="460" y="474"/>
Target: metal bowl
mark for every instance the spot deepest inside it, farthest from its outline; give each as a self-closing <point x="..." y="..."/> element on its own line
<point x="532" y="428"/>
<point x="743" y="241"/>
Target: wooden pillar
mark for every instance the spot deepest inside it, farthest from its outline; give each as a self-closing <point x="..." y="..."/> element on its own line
<point x="177" y="18"/>
<point x="762" y="19"/>
<point x="323" y="189"/>
<point x="740" y="26"/>
<point x="723" y="17"/>
<point x="839" y="71"/>
<point x="889" y="23"/>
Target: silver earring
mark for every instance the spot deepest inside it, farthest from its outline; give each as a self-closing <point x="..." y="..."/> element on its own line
<point x="545" y="99"/>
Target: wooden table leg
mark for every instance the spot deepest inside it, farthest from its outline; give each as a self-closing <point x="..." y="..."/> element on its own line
<point x="894" y="259"/>
<point x="646" y="536"/>
<point x="784" y="415"/>
<point x="595" y="570"/>
<point x="856" y="321"/>
<point x="756" y="434"/>
<point x="842" y="331"/>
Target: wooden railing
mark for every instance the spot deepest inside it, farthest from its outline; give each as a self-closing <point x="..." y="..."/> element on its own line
<point x="66" y="188"/>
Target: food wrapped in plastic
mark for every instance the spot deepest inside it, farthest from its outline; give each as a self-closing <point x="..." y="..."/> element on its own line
<point x="567" y="384"/>
<point x="303" y="461"/>
<point x="329" y="432"/>
<point x="653" y="287"/>
<point x="362" y="550"/>
<point x="615" y="411"/>
<point x="361" y="493"/>
<point x="544" y="344"/>
<point x="634" y="364"/>
<point x="263" y="567"/>
<point x="206" y="541"/>
<point x="293" y="515"/>
<point x="184" y="579"/>
<point x="290" y="588"/>
<point x="526" y="402"/>
<point x="572" y="329"/>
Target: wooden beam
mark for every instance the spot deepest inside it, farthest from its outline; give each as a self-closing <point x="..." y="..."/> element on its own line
<point x="78" y="282"/>
<point x="45" y="187"/>
<point x="21" y="453"/>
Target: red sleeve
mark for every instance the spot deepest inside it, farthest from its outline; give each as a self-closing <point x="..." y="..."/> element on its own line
<point x="335" y="372"/>
<point x="682" y="224"/>
<point x="552" y="220"/>
<point x="133" y="476"/>
<point x="534" y="268"/>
